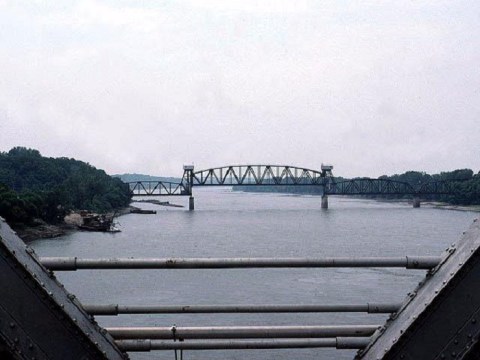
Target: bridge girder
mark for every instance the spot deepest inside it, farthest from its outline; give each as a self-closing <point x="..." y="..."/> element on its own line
<point x="367" y="186"/>
<point x="156" y="188"/>
<point x="257" y="175"/>
<point x="438" y="187"/>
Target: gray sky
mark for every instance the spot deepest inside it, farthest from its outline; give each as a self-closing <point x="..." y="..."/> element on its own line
<point x="373" y="87"/>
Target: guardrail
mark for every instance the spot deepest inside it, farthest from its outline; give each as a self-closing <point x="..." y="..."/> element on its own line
<point x="74" y="263"/>
<point x="439" y="318"/>
<point x="302" y="336"/>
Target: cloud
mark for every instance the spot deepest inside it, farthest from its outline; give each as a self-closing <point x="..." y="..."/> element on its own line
<point x="371" y="87"/>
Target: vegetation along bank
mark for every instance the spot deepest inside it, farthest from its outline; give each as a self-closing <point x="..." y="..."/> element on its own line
<point x="37" y="191"/>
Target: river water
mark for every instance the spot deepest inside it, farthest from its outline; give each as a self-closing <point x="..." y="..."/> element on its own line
<point x="236" y="224"/>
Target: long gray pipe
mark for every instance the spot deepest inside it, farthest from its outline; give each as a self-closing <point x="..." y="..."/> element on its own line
<point x="148" y="345"/>
<point x="241" y="332"/>
<point x="74" y="263"/>
<point x="115" y="309"/>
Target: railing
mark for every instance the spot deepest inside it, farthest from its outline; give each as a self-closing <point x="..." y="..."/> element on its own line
<point x="116" y="309"/>
<point x="40" y="319"/>
<point x="240" y="337"/>
<point x="74" y="263"/>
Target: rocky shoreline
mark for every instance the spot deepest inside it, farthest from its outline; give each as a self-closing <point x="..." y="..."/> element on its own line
<point x="43" y="230"/>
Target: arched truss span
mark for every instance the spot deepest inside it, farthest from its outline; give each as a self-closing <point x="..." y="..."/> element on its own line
<point x="257" y="175"/>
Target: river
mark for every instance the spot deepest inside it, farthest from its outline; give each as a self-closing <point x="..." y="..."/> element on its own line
<point x="236" y="224"/>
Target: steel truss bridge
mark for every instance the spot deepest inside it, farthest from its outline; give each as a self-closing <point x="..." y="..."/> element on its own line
<point x="284" y="175"/>
<point x="244" y="175"/>
<point x="367" y="186"/>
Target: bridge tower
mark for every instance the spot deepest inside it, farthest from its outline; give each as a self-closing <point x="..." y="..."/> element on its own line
<point x="187" y="182"/>
<point x="327" y="177"/>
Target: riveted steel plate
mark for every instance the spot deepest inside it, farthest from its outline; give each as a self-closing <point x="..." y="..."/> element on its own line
<point x="38" y="317"/>
<point x="441" y="318"/>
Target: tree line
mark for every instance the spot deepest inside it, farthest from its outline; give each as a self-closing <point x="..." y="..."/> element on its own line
<point x="33" y="186"/>
<point x="466" y="190"/>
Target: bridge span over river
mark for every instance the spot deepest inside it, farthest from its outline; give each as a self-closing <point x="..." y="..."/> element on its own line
<point x="285" y="175"/>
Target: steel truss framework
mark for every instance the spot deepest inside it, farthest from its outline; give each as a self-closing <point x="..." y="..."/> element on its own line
<point x="258" y="175"/>
<point x="367" y="186"/>
<point x="282" y="175"/>
<point x="158" y="188"/>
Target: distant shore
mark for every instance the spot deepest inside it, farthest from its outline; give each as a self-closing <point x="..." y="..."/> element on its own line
<point x="430" y="204"/>
<point x="48" y="231"/>
<point x="445" y="206"/>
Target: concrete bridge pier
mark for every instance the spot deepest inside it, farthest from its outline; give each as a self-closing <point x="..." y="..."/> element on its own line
<point x="416" y="202"/>
<point x="191" y="203"/>
<point x="324" y="201"/>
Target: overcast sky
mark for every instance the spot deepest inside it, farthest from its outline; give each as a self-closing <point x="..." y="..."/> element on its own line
<point x="372" y="87"/>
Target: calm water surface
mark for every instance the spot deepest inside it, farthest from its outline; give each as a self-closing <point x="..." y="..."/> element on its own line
<point x="234" y="224"/>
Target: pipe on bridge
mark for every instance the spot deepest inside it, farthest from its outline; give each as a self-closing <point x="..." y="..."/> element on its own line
<point x="241" y="332"/>
<point x="115" y="309"/>
<point x="74" y="263"/>
<point x="336" y="342"/>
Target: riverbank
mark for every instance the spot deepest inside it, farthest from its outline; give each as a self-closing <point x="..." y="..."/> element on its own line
<point x="42" y="230"/>
<point x="431" y="204"/>
<point x="445" y="206"/>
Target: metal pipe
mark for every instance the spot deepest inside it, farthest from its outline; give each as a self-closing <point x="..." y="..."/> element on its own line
<point x="148" y="345"/>
<point x="241" y="332"/>
<point x="115" y="309"/>
<point x="74" y="263"/>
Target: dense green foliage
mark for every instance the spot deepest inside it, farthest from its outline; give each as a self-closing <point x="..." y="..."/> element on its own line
<point x="467" y="191"/>
<point x="33" y="186"/>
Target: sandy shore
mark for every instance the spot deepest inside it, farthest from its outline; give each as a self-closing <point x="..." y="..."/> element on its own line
<point x="445" y="206"/>
<point x="432" y="204"/>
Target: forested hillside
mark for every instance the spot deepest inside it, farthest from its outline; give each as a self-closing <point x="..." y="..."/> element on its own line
<point x="33" y="186"/>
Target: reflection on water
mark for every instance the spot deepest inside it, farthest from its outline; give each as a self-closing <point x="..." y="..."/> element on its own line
<point x="231" y="224"/>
